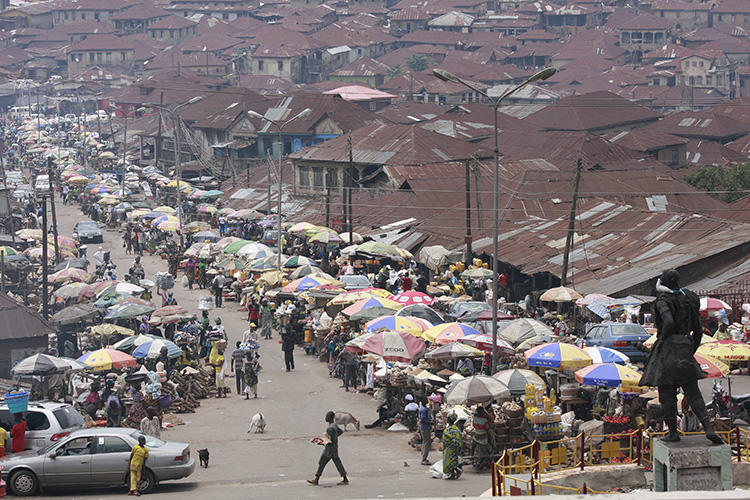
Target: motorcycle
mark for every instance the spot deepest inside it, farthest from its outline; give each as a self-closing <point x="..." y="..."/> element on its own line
<point x="734" y="407"/>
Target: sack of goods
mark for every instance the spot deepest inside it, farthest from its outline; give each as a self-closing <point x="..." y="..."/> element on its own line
<point x="205" y="302"/>
<point x="165" y="281"/>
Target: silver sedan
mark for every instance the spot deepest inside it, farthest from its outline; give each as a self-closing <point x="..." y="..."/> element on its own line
<point x="96" y="457"/>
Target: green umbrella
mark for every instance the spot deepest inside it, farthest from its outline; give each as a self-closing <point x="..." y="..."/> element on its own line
<point x="134" y="341"/>
<point x="236" y="246"/>
<point x="126" y="310"/>
<point x="371" y="313"/>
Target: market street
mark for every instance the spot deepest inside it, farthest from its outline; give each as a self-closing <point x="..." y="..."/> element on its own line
<point x="278" y="462"/>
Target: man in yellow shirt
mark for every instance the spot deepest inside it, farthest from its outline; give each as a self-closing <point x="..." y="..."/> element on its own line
<point x="138" y="456"/>
<point x="3" y="440"/>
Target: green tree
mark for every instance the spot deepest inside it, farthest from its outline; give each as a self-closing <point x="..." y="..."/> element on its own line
<point x="417" y="62"/>
<point x="727" y="184"/>
<point x="394" y="71"/>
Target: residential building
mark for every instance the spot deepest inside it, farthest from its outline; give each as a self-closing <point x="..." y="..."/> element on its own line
<point x="710" y="72"/>
<point x="408" y="20"/>
<point x="666" y="148"/>
<point x="105" y="51"/>
<point x="32" y="15"/>
<point x="683" y="15"/>
<point x="172" y="29"/>
<point x="70" y="11"/>
<point x="137" y="18"/>
<point x="736" y="12"/>
<point x="572" y="18"/>
<point x="643" y="33"/>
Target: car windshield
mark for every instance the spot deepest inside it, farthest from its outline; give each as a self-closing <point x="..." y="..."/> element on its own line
<point x="151" y="441"/>
<point x="628" y="329"/>
<point x="87" y="226"/>
<point x="462" y="307"/>
<point x="69" y="417"/>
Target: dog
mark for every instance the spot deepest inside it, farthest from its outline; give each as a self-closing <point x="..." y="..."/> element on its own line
<point x="345" y="418"/>
<point x="203" y="455"/>
<point x="257" y="424"/>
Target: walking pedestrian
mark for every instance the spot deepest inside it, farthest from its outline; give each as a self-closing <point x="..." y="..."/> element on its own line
<point x="287" y="345"/>
<point x="330" y="452"/>
<point x="425" y="430"/>
<point x="217" y="285"/>
<point x="266" y="319"/>
<point x="237" y="366"/>
<point x="138" y="456"/>
<point x="252" y="368"/>
<point x="452" y="443"/>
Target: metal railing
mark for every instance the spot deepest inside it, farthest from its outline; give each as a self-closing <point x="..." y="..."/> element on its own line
<point x="519" y="471"/>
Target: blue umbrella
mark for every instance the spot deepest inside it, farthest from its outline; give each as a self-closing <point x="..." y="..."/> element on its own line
<point x="153" y="349"/>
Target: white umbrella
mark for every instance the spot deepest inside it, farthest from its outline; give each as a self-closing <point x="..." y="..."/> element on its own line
<point x="476" y="389"/>
<point x="560" y="294"/>
<point x="522" y="329"/>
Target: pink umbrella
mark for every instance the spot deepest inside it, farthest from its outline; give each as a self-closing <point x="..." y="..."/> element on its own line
<point x="394" y="346"/>
<point x="591" y="298"/>
<point x="712" y="304"/>
<point x="414" y="297"/>
<point x="484" y="343"/>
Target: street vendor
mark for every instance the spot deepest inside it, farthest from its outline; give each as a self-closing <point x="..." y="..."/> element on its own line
<point x="452" y="444"/>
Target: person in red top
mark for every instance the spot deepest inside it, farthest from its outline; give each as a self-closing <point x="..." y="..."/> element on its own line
<point x="18" y="434"/>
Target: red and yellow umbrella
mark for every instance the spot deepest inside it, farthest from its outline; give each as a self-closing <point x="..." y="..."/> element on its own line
<point x="107" y="359"/>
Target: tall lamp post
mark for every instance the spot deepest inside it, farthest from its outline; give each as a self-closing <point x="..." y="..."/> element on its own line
<point x="495" y="103"/>
<point x="280" y="126"/>
<point x="177" y="165"/>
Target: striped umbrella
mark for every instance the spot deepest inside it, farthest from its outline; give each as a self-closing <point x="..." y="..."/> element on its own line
<point x="395" y="323"/>
<point x="107" y="359"/>
<point x="484" y="342"/>
<point x="363" y="304"/>
<point x="517" y="380"/>
<point x="557" y="355"/>
<point x="302" y="284"/>
<point x="298" y="260"/>
<point x="300" y="227"/>
<point x="413" y="297"/>
<point x="169" y="226"/>
<point x="40" y="364"/>
<point x="70" y="274"/>
<point x="5" y="250"/>
<point x="166" y="210"/>
<point x="454" y="350"/>
<point x="606" y="355"/>
<point x="446" y="333"/>
<point x="608" y="375"/>
<point x="153" y="348"/>
<point x="393" y="346"/>
<point x="134" y="341"/>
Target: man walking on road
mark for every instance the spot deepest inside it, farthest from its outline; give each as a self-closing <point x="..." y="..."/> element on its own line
<point x="425" y="430"/>
<point x="287" y="345"/>
<point x="330" y="452"/>
<point x="218" y="287"/>
<point x="238" y="365"/>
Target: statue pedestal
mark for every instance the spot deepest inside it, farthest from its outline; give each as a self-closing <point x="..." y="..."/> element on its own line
<point x="691" y="464"/>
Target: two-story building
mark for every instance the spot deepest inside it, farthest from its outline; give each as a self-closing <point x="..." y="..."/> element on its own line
<point x="683" y="15"/>
<point x="105" y="51"/>
<point x="172" y="29"/>
<point x="709" y="71"/>
<point x="572" y="18"/>
<point x="643" y="33"/>
<point x="735" y="12"/>
<point x="70" y="11"/>
<point x="137" y="18"/>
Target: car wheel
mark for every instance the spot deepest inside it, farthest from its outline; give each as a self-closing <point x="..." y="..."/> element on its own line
<point x="23" y="483"/>
<point x="148" y="482"/>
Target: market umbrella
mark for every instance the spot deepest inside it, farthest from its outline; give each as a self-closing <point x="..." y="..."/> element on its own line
<point x="272" y="278"/>
<point x="355" y="295"/>
<point x="484" y="342"/>
<point x="77" y="313"/>
<point x="304" y="271"/>
<point x="236" y="245"/>
<point x="29" y="234"/>
<point x="169" y="226"/>
<point x="6" y="250"/>
<point x="560" y="294"/>
<point x="326" y="237"/>
<point x="413" y="297"/>
<point x="608" y="375"/>
<point x="110" y="329"/>
<point x="476" y="389"/>
<point x="196" y="226"/>
<point x="380" y="249"/>
<point x="171" y="314"/>
<point x="592" y="297"/>
<point x="226" y="240"/>
<point x="726" y="350"/>
<point x="94" y="289"/>
<point x="265" y="263"/>
<point x="395" y="323"/>
<point x="230" y="263"/>
<point x="448" y="332"/>
<point x="712" y="366"/>
<point x="80" y="263"/>
<point x="107" y="359"/>
<point x="212" y="193"/>
<point x="152" y="349"/>
<point x="477" y="273"/>
<point x="248" y="214"/>
<point x="69" y="274"/>
<point x="300" y="227"/>
<point x="557" y="355"/>
<point x="127" y="310"/>
<point x="394" y="346"/>
<point x="523" y="329"/>
<point x="253" y="251"/>
<point x="652" y="340"/>
<point x="517" y="379"/>
<point x="297" y="261"/>
<point x="356" y="237"/>
<point x="129" y="342"/>
<point x="421" y="311"/>
<point x="713" y="304"/>
<point x="302" y="284"/>
<point x="166" y="210"/>
<point x="371" y="313"/>
<point x="69" y="291"/>
<point x="369" y="303"/>
<point x="206" y="235"/>
<point x="205" y="208"/>
<point x="227" y="211"/>
<point x="454" y="350"/>
<point x="40" y="364"/>
<point x="601" y="354"/>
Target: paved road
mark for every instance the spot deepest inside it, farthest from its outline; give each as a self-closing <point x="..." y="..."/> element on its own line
<point x="277" y="463"/>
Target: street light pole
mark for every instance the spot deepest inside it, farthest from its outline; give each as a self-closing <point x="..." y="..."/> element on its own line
<point x="279" y="127"/>
<point x="495" y="103"/>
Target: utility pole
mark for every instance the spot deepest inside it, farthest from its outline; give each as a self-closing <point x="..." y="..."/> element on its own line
<point x="124" y="152"/>
<point x="157" y="144"/>
<point x="328" y="198"/>
<point x="45" y="262"/>
<point x="346" y="180"/>
<point x="5" y="186"/>
<point x="51" y="176"/>
<point x="177" y="174"/>
<point x="571" y="224"/>
<point x="468" y="214"/>
<point x="38" y="119"/>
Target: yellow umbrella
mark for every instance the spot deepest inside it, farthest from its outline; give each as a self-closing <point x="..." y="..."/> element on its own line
<point x="165" y="209"/>
<point x="138" y="212"/>
<point x="726" y="350"/>
<point x="110" y="329"/>
<point x="357" y="295"/>
<point x="169" y="226"/>
<point x="652" y="340"/>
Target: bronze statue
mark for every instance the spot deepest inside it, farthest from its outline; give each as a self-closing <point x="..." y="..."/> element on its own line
<point x="671" y="364"/>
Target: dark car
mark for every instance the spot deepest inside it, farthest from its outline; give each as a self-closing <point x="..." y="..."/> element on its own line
<point x="88" y="231"/>
<point x="624" y="337"/>
<point x="271" y="237"/>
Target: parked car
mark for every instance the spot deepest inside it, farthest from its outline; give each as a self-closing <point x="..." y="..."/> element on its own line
<point x="459" y="309"/>
<point x="624" y="337"/>
<point x="354" y="281"/>
<point x="88" y="231"/>
<point x="271" y="237"/>
<point x="95" y="457"/>
<point x="47" y="422"/>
